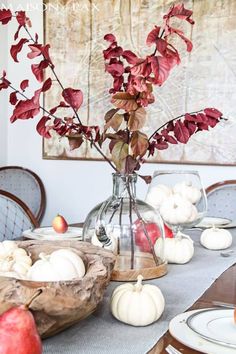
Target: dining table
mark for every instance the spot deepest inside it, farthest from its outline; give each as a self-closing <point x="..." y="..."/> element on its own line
<point x="210" y="276"/>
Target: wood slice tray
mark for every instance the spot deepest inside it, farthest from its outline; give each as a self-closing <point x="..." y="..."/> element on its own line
<point x="144" y="264"/>
<point x="63" y="303"/>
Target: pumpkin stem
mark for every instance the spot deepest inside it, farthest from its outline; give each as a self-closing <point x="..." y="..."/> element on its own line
<point x="139" y="285"/>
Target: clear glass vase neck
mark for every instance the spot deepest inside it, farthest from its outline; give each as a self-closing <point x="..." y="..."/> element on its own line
<point x="124" y="186"/>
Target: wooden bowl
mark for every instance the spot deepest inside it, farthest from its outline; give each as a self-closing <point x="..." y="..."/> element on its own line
<point x="61" y="304"/>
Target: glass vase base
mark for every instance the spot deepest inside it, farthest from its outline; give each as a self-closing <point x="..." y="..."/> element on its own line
<point x="143" y="265"/>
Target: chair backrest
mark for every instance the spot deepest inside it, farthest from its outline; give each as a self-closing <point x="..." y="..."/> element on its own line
<point x="15" y="217"/>
<point x="26" y="185"/>
<point x="221" y="198"/>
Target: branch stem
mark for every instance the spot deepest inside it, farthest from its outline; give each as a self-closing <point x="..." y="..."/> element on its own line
<point x="169" y="121"/>
<point x="91" y="140"/>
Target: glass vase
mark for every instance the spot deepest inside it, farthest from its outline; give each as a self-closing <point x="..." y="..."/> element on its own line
<point x="180" y="198"/>
<point x="129" y="228"/>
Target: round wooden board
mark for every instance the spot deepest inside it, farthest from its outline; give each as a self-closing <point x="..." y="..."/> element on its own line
<point x="143" y="264"/>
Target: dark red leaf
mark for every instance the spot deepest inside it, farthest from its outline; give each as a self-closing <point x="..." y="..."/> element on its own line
<point x="73" y="97"/>
<point x="42" y="128"/>
<point x="38" y="70"/>
<point x="13" y="98"/>
<point x="181" y="35"/>
<point x="112" y="52"/>
<point x="170" y="139"/>
<point x="26" y="109"/>
<point x="130" y="57"/>
<point x="5" y="16"/>
<point x="212" y="121"/>
<point x="181" y="132"/>
<point x="213" y="113"/>
<point x="45" y="53"/>
<point x="4" y="84"/>
<point x="22" y="19"/>
<point x="36" y="50"/>
<point x="47" y="85"/>
<point x="202" y="126"/>
<point x="180" y="12"/>
<point x="24" y="84"/>
<point x="61" y="105"/>
<point x="115" y="70"/>
<point x="117" y="84"/>
<point x="143" y="67"/>
<point x="153" y="36"/>
<point x="160" y="68"/>
<point x="191" y="126"/>
<point x="110" y="38"/>
<point x="15" y="49"/>
<point x="161" y="145"/>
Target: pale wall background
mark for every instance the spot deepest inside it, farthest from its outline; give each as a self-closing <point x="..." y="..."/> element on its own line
<point x="72" y="187"/>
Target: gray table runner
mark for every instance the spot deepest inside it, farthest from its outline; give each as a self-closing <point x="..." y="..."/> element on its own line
<point x="182" y="286"/>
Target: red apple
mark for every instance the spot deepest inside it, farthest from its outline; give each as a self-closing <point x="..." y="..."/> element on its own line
<point x="153" y="233"/>
<point x="59" y="224"/>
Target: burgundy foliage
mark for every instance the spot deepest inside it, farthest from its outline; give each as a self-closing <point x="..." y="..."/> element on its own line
<point x="24" y="84"/>
<point x="181" y="129"/>
<point x="5" y="16"/>
<point x="132" y="91"/>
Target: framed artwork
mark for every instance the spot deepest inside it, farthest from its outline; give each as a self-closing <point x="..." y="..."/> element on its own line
<point x="205" y="78"/>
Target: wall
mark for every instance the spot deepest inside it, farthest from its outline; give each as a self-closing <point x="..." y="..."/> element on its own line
<point x="72" y="187"/>
<point x="3" y="100"/>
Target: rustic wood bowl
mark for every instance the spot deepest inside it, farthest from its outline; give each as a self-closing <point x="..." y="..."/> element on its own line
<point x="60" y="304"/>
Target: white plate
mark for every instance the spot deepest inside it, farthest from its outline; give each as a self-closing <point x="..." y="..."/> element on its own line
<point x="215" y="325"/>
<point x="48" y="233"/>
<point x="210" y="221"/>
<point x="180" y="331"/>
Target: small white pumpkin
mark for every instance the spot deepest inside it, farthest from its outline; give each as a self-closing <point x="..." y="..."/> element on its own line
<point x="216" y="239"/>
<point x="6" y="248"/>
<point x="179" y="249"/>
<point x="177" y="210"/>
<point x="137" y="304"/>
<point x="14" y="259"/>
<point x="157" y="195"/>
<point x="188" y="191"/>
<point x="60" y="265"/>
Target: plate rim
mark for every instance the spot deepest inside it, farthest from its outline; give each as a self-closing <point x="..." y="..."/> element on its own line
<point x="199" y="225"/>
<point x="31" y="234"/>
<point x="189" y="338"/>
<point x="221" y="342"/>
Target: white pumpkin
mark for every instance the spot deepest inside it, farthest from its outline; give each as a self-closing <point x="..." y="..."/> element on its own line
<point x="157" y="195"/>
<point x="188" y="191"/>
<point x="137" y="304"/>
<point x="179" y="249"/>
<point x="60" y="265"/>
<point x="14" y="259"/>
<point x="6" y="248"/>
<point x="177" y="210"/>
<point x="216" y="239"/>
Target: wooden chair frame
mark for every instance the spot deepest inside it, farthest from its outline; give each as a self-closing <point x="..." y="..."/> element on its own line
<point x="18" y="201"/>
<point x="41" y="186"/>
